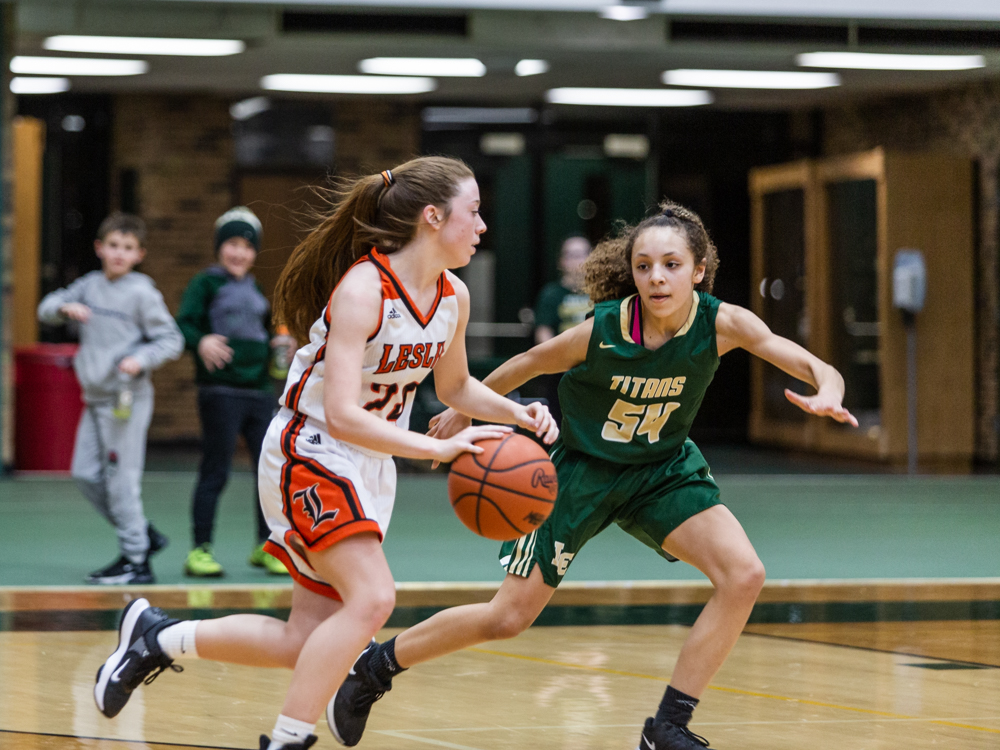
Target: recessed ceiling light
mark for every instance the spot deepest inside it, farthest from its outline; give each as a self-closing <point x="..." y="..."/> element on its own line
<point x="624" y="12"/>
<point x="443" y="67"/>
<point x="39" y="85"/>
<point x="629" y="97"/>
<point x="348" y="84"/>
<point x="879" y="61"/>
<point x="531" y="67"/>
<point x="750" y="79"/>
<point x="76" y="66"/>
<point x="138" y="45"/>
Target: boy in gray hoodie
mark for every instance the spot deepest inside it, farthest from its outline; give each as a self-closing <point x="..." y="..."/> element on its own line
<point x="126" y="332"/>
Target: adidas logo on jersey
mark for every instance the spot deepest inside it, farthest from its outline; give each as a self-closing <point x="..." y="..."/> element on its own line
<point x="314" y="439"/>
<point x="393" y="314"/>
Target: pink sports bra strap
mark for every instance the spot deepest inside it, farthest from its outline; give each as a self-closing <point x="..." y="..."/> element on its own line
<point x="637" y="320"/>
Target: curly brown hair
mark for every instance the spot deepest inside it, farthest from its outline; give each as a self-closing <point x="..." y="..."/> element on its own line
<point x="607" y="273"/>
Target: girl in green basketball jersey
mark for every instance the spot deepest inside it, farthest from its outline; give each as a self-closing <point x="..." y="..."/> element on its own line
<point x="636" y="373"/>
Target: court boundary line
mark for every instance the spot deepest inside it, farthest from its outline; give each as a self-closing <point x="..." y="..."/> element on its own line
<point x="739" y="691"/>
<point x="877" y="650"/>
<point x="116" y="739"/>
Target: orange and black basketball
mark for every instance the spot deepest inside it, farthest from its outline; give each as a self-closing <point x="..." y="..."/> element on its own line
<point x="506" y="491"/>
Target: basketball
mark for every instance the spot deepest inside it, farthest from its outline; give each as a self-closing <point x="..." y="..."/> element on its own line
<point x="506" y="491"/>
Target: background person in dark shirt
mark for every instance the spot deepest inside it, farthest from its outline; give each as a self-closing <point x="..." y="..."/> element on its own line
<point x="562" y="305"/>
<point x="226" y="322"/>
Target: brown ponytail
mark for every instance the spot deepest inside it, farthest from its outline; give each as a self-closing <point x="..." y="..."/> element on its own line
<point x="366" y="212"/>
<point x="607" y="273"/>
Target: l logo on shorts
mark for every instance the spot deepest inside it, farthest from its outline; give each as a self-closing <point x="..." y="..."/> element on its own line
<point x="312" y="505"/>
<point x="562" y="559"/>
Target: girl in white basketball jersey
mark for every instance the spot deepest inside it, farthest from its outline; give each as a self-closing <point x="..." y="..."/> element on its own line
<point x="327" y="481"/>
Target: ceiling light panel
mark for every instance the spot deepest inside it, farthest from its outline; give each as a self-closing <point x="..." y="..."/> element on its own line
<point x="599" y="97"/>
<point x="876" y="61"/>
<point x="76" y="66"/>
<point x="531" y="67"/>
<point x="441" y="67"/>
<point x="137" y="45"/>
<point x="624" y="12"/>
<point x="750" y="79"/>
<point x="479" y="115"/>
<point x="39" y="85"/>
<point x="348" y="84"/>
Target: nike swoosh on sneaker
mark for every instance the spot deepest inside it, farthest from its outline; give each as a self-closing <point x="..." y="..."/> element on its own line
<point x="650" y="745"/>
<point x="116" y="675"/>
<point x="603" y="345"/>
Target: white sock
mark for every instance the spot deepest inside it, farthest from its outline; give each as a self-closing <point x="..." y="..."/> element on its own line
<point x="177" y="641"/>
<point x="288" y="731"/>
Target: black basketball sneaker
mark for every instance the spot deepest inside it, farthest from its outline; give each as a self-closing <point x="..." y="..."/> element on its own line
<point x="123" y="572"/>
<point x="667" y="736"/>
<point x="307" y="743"/>
<point x="137" y="655"/>
<point x="347" y="712"/>
<point x="157" y="540"/>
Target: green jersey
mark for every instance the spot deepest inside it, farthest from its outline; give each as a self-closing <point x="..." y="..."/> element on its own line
<point x="629" y="405"/>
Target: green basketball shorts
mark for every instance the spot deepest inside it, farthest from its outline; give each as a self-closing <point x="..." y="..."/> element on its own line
<point x="646" y="500"/>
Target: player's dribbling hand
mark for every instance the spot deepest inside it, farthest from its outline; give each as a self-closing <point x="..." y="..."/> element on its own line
<point x="448" y="424"/>
<point x="214" y="351"/>
<point x="537" y="418"/>
<point x="75" y="311"/>
<point x="445" y="425"/>
<point x="822" y="405"/>
<point x="465" y="441"/>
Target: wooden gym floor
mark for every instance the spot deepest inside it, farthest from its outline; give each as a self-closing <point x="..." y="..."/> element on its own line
<point x="893" y="642"/>
<point x="818" y="685"/>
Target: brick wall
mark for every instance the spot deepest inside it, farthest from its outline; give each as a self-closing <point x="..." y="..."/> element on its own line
<point x="182" y="151"/>
<point x="963" y="121"/>
<point x="372" y="135"/>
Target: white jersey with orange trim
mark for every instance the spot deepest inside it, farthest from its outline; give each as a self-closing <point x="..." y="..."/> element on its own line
<point x="399" y="354"/>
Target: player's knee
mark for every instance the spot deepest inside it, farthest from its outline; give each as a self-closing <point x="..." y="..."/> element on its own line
<point x="746" y="578"/>
<point x="509" y="622"/>
<point x="378" y="607"/>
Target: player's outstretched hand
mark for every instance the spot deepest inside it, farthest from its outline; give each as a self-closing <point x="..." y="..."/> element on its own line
<point x="465" y="441"/>
<point x="215" y="351"/>
<point x="537" y="418"/>
<point x="75" y="311"/>
<point x="823" y="406"/>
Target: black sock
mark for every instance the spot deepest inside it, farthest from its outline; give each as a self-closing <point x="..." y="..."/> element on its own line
<point x="676" y="707"/>
<point x="383" y="662"/>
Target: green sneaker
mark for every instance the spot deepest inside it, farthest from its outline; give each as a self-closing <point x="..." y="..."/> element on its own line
<point x="269" y="562"/>
<point x="201" y="563"/>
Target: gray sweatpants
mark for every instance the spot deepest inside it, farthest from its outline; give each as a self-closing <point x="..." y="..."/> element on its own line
<point x="108" y="460"/>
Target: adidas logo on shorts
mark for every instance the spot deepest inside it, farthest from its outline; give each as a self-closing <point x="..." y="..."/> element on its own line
<point x="314" y="439"/>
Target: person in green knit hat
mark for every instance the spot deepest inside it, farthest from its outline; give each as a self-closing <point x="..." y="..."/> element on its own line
<point x="226" y="322"/>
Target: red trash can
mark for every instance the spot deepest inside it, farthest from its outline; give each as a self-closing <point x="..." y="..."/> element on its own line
<point x="47" y="407"/>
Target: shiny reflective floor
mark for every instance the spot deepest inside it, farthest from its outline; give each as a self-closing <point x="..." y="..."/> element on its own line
<point x="862" y="686"/>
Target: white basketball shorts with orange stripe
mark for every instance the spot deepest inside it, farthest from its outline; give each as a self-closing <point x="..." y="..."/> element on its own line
<point x="316" y="491"/>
